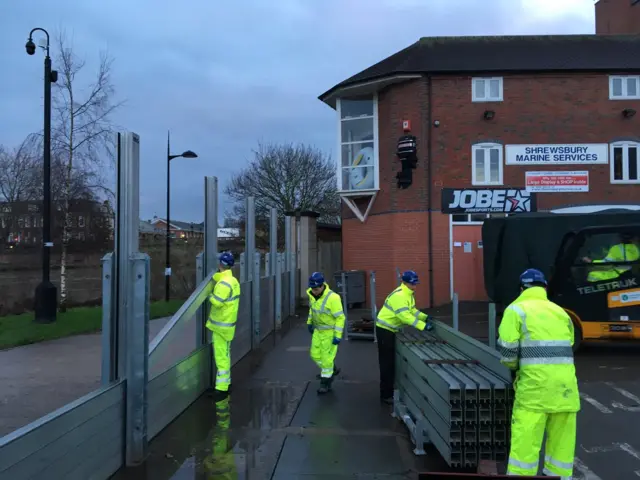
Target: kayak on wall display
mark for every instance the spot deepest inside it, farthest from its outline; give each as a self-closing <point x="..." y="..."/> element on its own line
<point x="487" y="200"/>
<point x="557" y="181"/>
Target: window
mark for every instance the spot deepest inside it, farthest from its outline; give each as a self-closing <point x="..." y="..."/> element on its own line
<point x="624" y="88"/>
<point x="475" y="217"/>
<point x="486" y="89"/>
<point x="358" y="124"/>
<point x="625" y="162"/>
<point x="486" y="166"/>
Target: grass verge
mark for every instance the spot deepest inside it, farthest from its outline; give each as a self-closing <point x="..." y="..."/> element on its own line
<point x="16" y="330"/>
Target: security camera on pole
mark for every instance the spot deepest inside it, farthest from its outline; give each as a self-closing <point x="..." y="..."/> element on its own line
<point x="46" y="301"/>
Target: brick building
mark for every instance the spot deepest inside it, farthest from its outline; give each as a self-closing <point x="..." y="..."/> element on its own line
<point x="511" y="124"/>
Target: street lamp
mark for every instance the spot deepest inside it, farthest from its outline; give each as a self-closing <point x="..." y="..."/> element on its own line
<point x="167" y="270"/>
<point x="46" y="302"/>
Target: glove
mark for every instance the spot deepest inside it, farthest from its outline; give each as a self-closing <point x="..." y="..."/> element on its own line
<point x="336" y="340"/>
<point x="310" y="328"/>
<point x="429" y="326"/>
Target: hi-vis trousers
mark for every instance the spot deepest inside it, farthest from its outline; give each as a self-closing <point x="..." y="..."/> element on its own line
<point x="323" y="351"/>
<point x="222" y="357"/>
<point x="527" y="431"/>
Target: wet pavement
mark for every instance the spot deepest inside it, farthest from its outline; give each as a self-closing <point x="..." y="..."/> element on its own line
<point x="40" y="378"/>
<point x="281" y="429"/>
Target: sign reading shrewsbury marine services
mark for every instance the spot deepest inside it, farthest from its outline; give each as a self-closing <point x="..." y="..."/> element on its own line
<point x="588" y="153"/>
<point x="487" y="200"/>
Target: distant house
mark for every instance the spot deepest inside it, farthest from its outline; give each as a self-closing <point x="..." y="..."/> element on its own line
<point x="179" y="229"/>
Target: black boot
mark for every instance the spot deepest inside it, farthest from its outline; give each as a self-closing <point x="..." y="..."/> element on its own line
<point x="336" y="372"/>
<point x="325" y="386"/>
<point x="218" y="395"/>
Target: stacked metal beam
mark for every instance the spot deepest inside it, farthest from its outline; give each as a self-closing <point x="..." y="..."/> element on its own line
<point x="453" y="393"/>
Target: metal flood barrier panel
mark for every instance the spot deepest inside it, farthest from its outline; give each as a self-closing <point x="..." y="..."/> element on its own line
<point x="241" y="344"/>
<point x="267" y="306"/>
<point x="453" y="392"/>
<point x="84" y="439"/>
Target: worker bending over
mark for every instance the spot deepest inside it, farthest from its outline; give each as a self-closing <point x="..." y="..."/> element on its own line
<point x="624" y="251"/>
<point x="326" y="324"/>
<point x="535" y="341"/>
<point x="399" y="310"/>
<point x="223" y="315"/>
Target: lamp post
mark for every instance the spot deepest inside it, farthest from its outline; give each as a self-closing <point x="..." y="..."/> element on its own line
<point x="46" y="301"/>
<point x="167" y="270"/>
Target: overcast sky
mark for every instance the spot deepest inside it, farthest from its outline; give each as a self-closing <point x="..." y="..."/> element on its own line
<point x="223" y="75"/>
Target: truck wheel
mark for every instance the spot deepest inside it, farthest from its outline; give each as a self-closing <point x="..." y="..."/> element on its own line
<point x="577" y="337"/>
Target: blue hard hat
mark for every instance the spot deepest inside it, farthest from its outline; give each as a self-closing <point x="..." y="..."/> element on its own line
<point x="316" y="280"/>
<point x="532" y="276"/>
<point x="226" y="259"/>
<point x="410" y="277"/>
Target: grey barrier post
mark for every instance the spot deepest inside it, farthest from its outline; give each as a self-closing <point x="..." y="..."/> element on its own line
<point x="250" y="235"/>
<point x="374" y="307"/>
<point x="343" y="294"/>
<point x="255" y="308"/>
<point x="109" y="321"/>
<point x="278" y="291"/>
<point x="243" y="267"/>
<point x="210" y="224"/>
<point x="126" y="235"/>
<point x="293" y="280"/>
<point x="273" y="239"/>
<point x="202" y="311"/>
<point x="267" y="265"/>
<point x="137" y="360"/>
<point x="287" y="243"/>
<point x="492" y="325"/>
<point x="399" y="276"/>
<point x="456" y="312"/>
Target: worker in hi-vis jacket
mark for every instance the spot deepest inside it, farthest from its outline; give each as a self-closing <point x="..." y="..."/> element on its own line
<point x="535" y="341"/>
<point x="326" y="324"/>
<point x="399" y="310"/>
<point x="225" y="301"/>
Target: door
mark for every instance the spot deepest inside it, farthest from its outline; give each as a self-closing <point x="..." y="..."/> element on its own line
<point x="468" y="269"/>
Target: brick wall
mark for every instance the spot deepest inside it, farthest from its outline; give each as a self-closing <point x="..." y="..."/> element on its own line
<point x="617" y="17"/>
<point x="540" y="109"/>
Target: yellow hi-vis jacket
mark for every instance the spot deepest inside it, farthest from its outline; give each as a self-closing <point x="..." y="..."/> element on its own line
<point x="535" y="339"/>
<point x="225" y="301"/>
<point x="326" y="313"/>
<point x="622" y="252"/>
<point x="399" y="309"/>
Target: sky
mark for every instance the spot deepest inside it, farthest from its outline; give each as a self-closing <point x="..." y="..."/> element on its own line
<point x="225" y="75"/>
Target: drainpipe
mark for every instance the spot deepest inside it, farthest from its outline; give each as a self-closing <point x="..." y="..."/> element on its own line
<point x="430" y="187"/>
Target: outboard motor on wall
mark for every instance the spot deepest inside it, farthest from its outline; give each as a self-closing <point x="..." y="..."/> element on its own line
<point x="407" y="152"/>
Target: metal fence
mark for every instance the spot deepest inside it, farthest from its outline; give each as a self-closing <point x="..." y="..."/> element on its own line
<point x="94" y="436"/>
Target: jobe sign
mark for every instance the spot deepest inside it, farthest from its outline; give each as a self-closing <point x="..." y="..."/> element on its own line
<point x="487" y="200"/>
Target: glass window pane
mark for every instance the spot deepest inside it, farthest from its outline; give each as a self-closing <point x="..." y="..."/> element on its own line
<point x="633" y="163"/>
<point x="617" y="163"/>
<point x="479" y="162"/>
<point x="358" y="154"/>
<point x="357" y="178"/>
<point x="479" y="88"/>
<point x="357" y="130"/>
<point x="494" y="165"/>
<point x="632" y="89"/>
<point x="478" y="217"/>
<point x="494" y="88"/>
<point x="460" y="218"/>
<point x="353" y="108"/>
<point x="616" y="85"/>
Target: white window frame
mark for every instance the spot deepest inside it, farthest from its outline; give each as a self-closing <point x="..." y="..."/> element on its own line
<point x="376" y="150"/>
<point x="487" y="90"/>
<point x="625" y="164"/>
<point x="624" y="79"/>
<point x="487" y="166"/>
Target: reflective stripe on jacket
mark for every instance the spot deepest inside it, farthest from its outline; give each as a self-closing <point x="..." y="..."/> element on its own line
<point x="535" y="338"/>
<point x="399" y="309"/>
<point x="326" y="312"/>
<point x="622" y="252"/>
<point x="225" y="301"/>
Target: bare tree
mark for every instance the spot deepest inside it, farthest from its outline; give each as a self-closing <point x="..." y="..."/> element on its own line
<point x="19" y="170"/>
<point x="83" y="137"/>
<point x="288" y="177"/>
